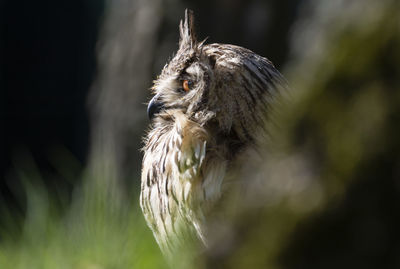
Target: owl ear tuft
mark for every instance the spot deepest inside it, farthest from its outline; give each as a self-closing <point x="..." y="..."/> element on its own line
<point x="187" y="33"/>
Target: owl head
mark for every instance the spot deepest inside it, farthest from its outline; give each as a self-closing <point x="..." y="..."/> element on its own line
<point x="224" y="88"/>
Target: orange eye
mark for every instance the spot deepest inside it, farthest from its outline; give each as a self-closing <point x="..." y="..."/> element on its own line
<point x="186" y="85"/>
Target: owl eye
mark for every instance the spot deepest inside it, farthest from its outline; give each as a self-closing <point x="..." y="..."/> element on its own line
<point x="186" y="85"/>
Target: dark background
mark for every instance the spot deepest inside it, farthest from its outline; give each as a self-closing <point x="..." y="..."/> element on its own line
<point x="48" y="63"/>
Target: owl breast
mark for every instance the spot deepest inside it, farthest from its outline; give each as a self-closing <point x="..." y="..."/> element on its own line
<point x="181" y="178"/>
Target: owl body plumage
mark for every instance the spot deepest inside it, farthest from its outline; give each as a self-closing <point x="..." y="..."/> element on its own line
<point x="196" y="134"/>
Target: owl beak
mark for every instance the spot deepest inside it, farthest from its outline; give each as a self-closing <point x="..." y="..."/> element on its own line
<point x="154" y="106"/>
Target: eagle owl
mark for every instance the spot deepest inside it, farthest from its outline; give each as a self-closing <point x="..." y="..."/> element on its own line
<point x="211" y="102"/>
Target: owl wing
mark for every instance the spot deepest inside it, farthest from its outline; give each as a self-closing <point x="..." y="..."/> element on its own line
<point x="189" y="162"/>
<point x="186" y="188"/>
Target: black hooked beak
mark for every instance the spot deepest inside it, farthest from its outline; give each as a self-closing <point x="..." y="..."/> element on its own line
<point x="154" y="107"/>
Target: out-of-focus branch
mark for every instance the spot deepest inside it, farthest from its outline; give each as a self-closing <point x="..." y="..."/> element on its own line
<point x="125" y="56"/>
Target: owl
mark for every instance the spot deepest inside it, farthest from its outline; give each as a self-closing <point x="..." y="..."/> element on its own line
<point x="211" y="102"/>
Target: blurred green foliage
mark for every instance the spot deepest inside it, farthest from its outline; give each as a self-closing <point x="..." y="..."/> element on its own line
<point x="333" y="163"/>
<point x="101" y="228"/>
